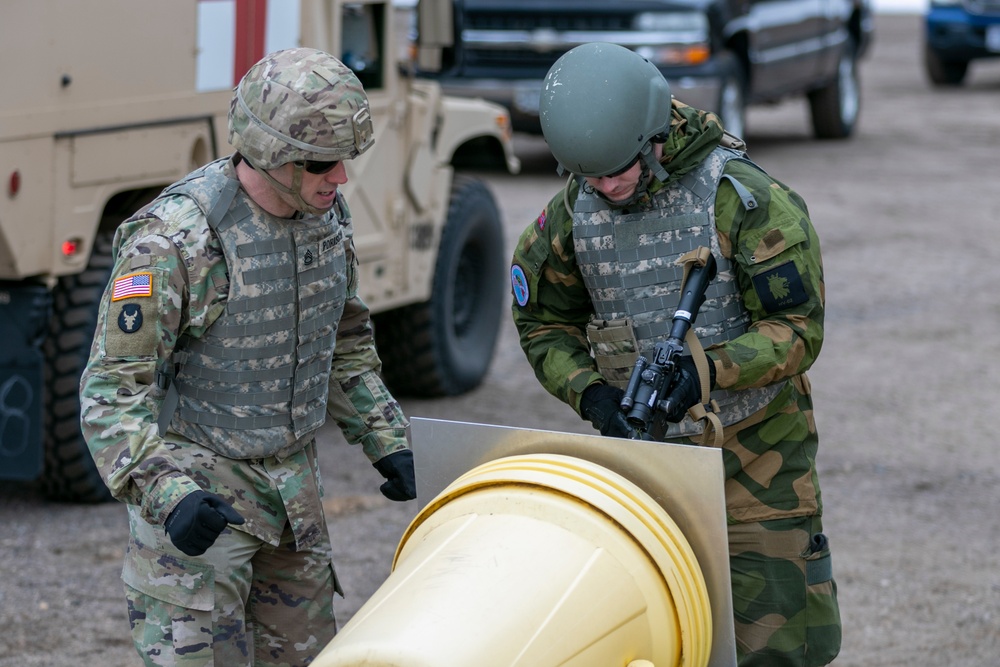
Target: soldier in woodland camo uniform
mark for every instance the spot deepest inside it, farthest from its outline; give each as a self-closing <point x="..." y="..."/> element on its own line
<point x="595" y="282"/>
<point x="231" y="326"/>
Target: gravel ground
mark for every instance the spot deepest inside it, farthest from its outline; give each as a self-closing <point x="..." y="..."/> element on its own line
<point x="906" y="390"/>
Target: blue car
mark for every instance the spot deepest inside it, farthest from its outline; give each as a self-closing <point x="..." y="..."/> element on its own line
<point x="957" y="32"/>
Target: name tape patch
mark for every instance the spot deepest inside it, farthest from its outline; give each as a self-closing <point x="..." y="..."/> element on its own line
<point x="329" y="243"/>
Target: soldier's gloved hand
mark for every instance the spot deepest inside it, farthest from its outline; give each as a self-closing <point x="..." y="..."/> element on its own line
<point x="198" y="520"/>
<point x="397" y="468"/>
<point x="601" y="404"/>
<point x="685" y="390"/>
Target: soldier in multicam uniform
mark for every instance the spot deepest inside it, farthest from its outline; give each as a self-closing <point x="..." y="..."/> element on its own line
<point x="231" y="325"/>
<point x="596" y="279"/>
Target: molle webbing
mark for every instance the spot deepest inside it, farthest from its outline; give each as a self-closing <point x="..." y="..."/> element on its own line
<point x="614" y="345"/>
<point x="255" y="383"/>
<point x="630" y="262"/>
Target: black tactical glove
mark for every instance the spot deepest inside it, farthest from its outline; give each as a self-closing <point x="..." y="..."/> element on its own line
<point x="685" y="390"/>
<point x="198" y="520"/>
<point x="601" y="404"/>
<point x="397" y="468"/>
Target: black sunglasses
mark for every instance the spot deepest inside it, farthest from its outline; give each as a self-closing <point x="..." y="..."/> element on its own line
<point x="314" y="167"/>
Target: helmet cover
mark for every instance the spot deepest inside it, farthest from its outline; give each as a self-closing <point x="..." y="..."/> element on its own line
<point x="299" y="104"/>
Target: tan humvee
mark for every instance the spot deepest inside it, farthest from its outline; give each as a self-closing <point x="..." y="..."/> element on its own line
<point x="108" y="101"/>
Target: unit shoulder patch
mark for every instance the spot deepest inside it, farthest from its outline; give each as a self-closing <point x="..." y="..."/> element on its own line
<point x="780" y="288"/>
<point x="131" y="328"/>
<point x="130" y="318"/>
<point x="519" y="283"/>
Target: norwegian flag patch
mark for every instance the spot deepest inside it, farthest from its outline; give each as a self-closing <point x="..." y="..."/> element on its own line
<point x="132" y="285"/>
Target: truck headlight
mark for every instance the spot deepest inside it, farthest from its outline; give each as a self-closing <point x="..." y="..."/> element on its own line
<point x="673" y="38"/>
<point x="680" y="22"/>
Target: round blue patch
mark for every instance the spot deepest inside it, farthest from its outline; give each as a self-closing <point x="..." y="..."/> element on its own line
<point x="520" y="284"/>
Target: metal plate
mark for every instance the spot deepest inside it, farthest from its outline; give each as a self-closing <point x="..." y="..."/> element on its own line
<point x="686" y="481"/>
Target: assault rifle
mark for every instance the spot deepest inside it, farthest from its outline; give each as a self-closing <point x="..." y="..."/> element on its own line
<point x="651" y="380"/>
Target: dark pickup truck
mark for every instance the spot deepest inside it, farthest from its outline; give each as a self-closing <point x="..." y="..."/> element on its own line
<point x="720" y="55"/>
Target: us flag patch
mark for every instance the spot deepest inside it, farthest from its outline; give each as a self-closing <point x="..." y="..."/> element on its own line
<point x="132" y="285"/>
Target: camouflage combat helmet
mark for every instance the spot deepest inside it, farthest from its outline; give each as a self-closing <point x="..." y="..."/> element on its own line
<point x="297" y="105"/>
<point x="600" y="106"/>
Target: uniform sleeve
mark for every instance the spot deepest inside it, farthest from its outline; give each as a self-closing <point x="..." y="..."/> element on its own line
<point x="551" y="306"/>
<point x="148" y="303"/>
<point x="359" y="401"/>
<point x="778" y="265"/>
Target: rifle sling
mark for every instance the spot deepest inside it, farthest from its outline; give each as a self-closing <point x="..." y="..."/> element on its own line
<point x="706" y="410"/>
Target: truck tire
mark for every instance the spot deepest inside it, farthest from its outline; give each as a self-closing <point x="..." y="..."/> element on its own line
<point x="70" y="473"/>
<point x="444" y="346"/>
<point x="944" y="72"/>
<point x="836" y="106"/>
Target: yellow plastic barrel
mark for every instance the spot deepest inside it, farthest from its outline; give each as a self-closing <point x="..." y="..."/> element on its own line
<point x="540" y="561"/>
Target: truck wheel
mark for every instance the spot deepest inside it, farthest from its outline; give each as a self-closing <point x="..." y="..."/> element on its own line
<point x="835" y="107"/>
<point x="732" y="102"/>
<point x="944" y="72"/>
<point x="444" y="346"/>
<point x="70" y="473"/>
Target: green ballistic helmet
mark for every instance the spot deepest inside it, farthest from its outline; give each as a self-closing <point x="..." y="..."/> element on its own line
<point x="299" y="104"/>
<point x="600" y="106"/>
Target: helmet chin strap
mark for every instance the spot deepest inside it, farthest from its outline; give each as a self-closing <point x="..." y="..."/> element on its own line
<point x="649" y="159"/>
<point x="295" y="190"/>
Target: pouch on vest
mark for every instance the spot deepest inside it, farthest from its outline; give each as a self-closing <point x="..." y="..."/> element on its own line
<point x="615" y="349"/>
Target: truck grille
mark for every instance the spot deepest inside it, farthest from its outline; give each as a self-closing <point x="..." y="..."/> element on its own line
<point x="511" y="58"/>
<point x="503" y="50"/>
<point x="512" y="21"/>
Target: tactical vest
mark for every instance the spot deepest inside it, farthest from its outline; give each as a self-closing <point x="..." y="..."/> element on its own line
<point x="256" y="383"/>
<point x="628" y="259"/>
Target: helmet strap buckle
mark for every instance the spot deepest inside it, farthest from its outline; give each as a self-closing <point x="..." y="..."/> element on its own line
<point x="364" y="134"/>
<point x="648" y="157"/>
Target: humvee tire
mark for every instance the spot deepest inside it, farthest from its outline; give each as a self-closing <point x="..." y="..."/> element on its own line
<point x="70" y="473"/>
<point x="443" y="347"/>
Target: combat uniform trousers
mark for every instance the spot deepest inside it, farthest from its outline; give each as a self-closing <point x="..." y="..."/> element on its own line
<point x="243" y="602"/>
<point x="784" y="593"/>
